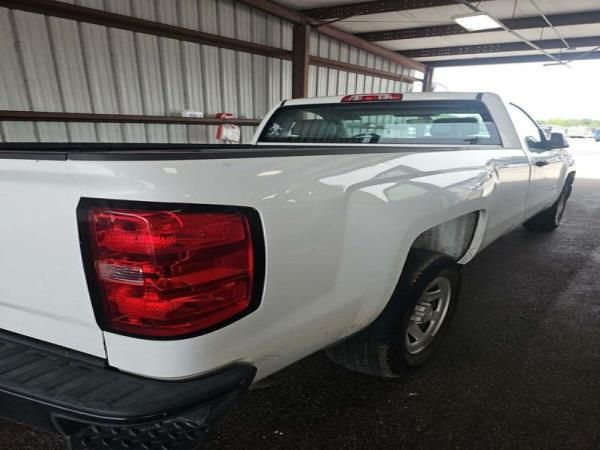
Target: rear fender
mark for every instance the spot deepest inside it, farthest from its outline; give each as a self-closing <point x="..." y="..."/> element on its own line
<point x="452" y="238"/>
<point x="426" y="219"/>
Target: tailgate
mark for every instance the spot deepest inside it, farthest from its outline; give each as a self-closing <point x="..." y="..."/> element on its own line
<point x="43" y="291"/>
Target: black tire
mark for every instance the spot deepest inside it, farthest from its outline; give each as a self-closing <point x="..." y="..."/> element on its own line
<point x="382" y="349"/>
<point x="550" y="218"/>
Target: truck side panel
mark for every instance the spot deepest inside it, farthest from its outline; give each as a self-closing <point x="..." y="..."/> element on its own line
<point x="337" y="230"/>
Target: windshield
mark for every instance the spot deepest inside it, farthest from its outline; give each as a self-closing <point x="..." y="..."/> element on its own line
<point x="452" y="122"/>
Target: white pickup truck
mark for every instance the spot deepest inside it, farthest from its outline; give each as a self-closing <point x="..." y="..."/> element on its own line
<point x="144" y="288"/>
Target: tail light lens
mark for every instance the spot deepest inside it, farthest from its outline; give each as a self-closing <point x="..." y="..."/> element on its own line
<point x="163" y="272"/>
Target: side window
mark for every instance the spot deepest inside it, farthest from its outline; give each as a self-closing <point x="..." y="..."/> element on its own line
<point x="527" y="129"/>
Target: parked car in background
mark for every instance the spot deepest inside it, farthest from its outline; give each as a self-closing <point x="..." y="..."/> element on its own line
<point x="597" y="134"/>
<point x="580" y="132"/>
<point x="169" y="278"/>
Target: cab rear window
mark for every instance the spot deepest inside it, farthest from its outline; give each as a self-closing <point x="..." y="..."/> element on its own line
<point x="440" y="122"/>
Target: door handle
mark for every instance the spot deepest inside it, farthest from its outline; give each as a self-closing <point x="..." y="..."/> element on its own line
<point x="541" y="163"/>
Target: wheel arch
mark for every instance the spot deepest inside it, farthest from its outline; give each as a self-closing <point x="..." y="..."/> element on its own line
<point x="458" y="238"/>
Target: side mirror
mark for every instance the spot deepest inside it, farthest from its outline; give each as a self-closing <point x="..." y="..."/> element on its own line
<point x="557" y="140"/>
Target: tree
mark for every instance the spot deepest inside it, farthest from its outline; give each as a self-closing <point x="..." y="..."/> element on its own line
<point x="562" y="122"/>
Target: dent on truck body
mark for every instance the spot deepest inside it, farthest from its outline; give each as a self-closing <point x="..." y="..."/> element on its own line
<point x="452" y="238"/>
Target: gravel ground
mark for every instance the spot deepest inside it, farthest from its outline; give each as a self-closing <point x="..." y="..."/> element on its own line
<point x="520" y="367"/>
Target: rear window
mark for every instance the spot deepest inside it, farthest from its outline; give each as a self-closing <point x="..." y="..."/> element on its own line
<point x="393" y="122"/>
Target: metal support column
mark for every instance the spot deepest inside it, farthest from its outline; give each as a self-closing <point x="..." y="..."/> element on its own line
<point x="300" y="57"/>
<point x="428" y="80"/>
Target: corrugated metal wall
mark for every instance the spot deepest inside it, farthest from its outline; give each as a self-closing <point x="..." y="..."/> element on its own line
<point x="53" y="64"/>
<point x="324" y="81"/>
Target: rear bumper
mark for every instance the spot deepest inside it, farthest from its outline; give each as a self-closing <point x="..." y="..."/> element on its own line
<point x="97" y="407"/>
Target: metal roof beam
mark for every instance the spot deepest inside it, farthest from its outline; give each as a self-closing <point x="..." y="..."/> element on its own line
<point x="350" y="39"/>
<point x="519" y="23"/>
<point x="353" y="68"/>
<point x="590" y="41"/>
<point x="567" y="57"/>
<point x="99" y="17"/>
<point x="514" y="33"/>
<point x="57" y="116"/>
<point x="276" y="9"/>
<point x="372" y="7"/>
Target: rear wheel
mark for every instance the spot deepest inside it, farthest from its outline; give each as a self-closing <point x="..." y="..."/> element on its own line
<point x="550" y="218"/>
<point x="413" y="323"/>
<point x="428" y="315"/>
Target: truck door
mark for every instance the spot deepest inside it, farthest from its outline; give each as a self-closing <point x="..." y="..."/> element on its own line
<point x="546" y="164"/>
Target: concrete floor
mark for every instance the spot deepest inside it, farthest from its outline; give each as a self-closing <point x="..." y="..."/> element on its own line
<point x="520" y="367"/>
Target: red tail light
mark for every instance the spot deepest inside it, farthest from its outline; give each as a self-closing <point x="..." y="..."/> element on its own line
<point x="160" y="271"/>
<point x="371" y="97"/>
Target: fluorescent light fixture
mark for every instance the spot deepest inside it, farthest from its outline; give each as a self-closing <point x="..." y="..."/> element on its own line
<point x="476" y="22"/>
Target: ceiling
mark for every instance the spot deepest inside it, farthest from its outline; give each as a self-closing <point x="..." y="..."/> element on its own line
<point x="444" y="43"/>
